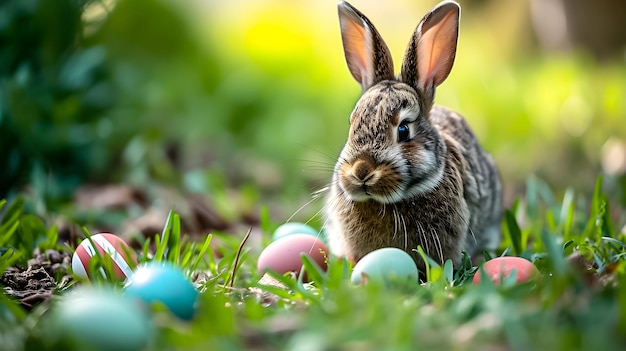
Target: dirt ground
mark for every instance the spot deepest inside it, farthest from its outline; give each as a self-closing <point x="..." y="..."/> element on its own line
<point x="36" y="283"/>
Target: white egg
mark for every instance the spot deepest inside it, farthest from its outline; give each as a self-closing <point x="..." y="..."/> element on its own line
<point x="387" y="265"/>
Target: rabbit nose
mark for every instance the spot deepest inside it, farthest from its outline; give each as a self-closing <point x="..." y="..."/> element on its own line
<point x="362" y="170"/>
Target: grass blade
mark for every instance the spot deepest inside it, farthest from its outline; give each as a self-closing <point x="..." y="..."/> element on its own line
<point x="162" y="244"/>
<point x="514" y="232"/>
<point x="203" y="251"/>
<point x="174" y="245"/>
<point x="312" y="270"/>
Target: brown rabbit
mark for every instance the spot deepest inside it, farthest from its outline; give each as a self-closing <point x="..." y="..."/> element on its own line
<point x="409" y="174"/>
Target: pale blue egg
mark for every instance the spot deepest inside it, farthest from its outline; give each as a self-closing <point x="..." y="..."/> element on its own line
<point x="163" y="283"/>
<point x="294" y="228"/>
<point x="102" y="319"/>
<point x="387" y="265"/>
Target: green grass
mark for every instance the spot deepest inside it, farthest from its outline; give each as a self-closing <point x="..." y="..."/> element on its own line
<point x="565" y="309"/>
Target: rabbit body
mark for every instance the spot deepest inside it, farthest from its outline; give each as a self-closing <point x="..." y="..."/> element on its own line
<point x="409" y="174"/>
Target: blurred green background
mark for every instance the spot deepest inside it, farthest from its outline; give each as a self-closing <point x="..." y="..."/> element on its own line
<point x="255" y="95"/>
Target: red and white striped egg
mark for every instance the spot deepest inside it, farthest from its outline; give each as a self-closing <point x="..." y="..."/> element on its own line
<point x="122" y="256"/>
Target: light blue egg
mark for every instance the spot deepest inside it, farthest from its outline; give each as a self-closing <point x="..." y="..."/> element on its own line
<point x="102" y="319"/>
<point x="164" y="283"/>
<point x="387" y="265"/>
<point x="294" y="228"/>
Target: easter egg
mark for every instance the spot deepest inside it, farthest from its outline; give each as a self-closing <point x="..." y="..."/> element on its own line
<point x="163" y="283"/>
<point x="293" y="228"/>
<point x="502" y="267"/>
<point x="283" y="255"/>
<point x="387" y="265"/>
<point x="109" y="246"/>
<point x="101" y="319"/>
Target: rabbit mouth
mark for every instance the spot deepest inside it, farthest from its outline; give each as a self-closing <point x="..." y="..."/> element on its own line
<point x="361" y="181"/>
<point x="364" y="180"/>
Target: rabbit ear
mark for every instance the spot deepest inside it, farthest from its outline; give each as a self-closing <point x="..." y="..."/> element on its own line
<point x="430" y="55"/>
<point x="366" y="53"/>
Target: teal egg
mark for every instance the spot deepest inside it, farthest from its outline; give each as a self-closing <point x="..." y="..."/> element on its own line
<point x="387" y="265"/>
<point x="294" y="228"/>
<point x="163" y="283"/>
<point x="101" y="319"/>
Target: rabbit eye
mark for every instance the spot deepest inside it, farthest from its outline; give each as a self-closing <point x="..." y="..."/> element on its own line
<point x="404" y="132"/>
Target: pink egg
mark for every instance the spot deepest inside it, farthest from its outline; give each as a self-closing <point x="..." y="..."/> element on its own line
<point x="501" y="268"/>
<point x="108" y="245"/>
<point x="283" y="255"/>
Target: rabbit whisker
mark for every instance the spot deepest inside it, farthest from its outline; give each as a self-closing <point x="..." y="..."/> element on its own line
<point x="332" y="158"/>
<point x="321" y="162"/>
<point x="437" y="243"/>
<point x="395" y="221"/>
<point x="406" y="234"/>
<point x="472" y="233"/>
<point x="318" y="168"/>
<point x="302" y="207"/>
<point x="383" y="208"/>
